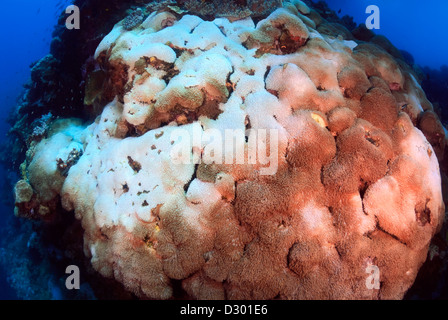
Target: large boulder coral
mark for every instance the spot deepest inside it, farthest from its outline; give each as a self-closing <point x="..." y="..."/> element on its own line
<point x="356" y="183"/>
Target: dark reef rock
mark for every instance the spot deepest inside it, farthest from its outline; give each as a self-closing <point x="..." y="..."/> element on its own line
<point x="435" y="85"/>
<point x="330" y="15"/>
<point x="362" y="33"/>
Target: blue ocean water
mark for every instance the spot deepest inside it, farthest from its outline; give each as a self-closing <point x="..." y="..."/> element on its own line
<point x="27" y="25"/>
<point x="27" y="32"/>
<point x="415" y="26"/>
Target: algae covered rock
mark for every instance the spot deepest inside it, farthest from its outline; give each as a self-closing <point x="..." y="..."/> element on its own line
<point x="23" y="191"/>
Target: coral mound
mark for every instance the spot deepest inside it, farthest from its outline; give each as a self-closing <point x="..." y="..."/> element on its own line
<point x="357" y="183"/>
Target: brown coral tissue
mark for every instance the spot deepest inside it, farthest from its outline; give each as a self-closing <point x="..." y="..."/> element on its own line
<point x="357" y="184"/>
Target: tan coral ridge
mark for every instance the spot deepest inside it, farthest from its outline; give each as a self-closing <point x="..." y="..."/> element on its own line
<point x="357" y="184"/>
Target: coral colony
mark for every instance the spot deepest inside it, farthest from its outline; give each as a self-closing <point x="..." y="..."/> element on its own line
<point x="356" y="183"/>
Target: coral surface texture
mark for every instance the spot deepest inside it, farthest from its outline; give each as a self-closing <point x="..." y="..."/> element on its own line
<point x="357" y="181"/>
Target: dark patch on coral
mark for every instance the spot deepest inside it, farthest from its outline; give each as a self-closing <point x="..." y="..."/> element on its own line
<point x="136" y="166"/>
<point x="170" y="74"/>
<point x="65" y="165"/>
<point x="371" y="139"/>
<point x="194" y="176"/>
<point x="94" y="86"/>
<point x="210" y="109"/>
<point x="289" y="44"/>
<point x="117" y="83"/>
<point x="125" y="188"/>
<point x="363" y="186"/>
<point x="423" y="214"/>
<point x="232" y="9"/>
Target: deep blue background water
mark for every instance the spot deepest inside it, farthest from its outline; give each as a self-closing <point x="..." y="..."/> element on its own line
<point x="26" y="34"/>
<point x="26" y="27"/>
<point x="416" y="26"/>
<point x="413" y="25"/>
